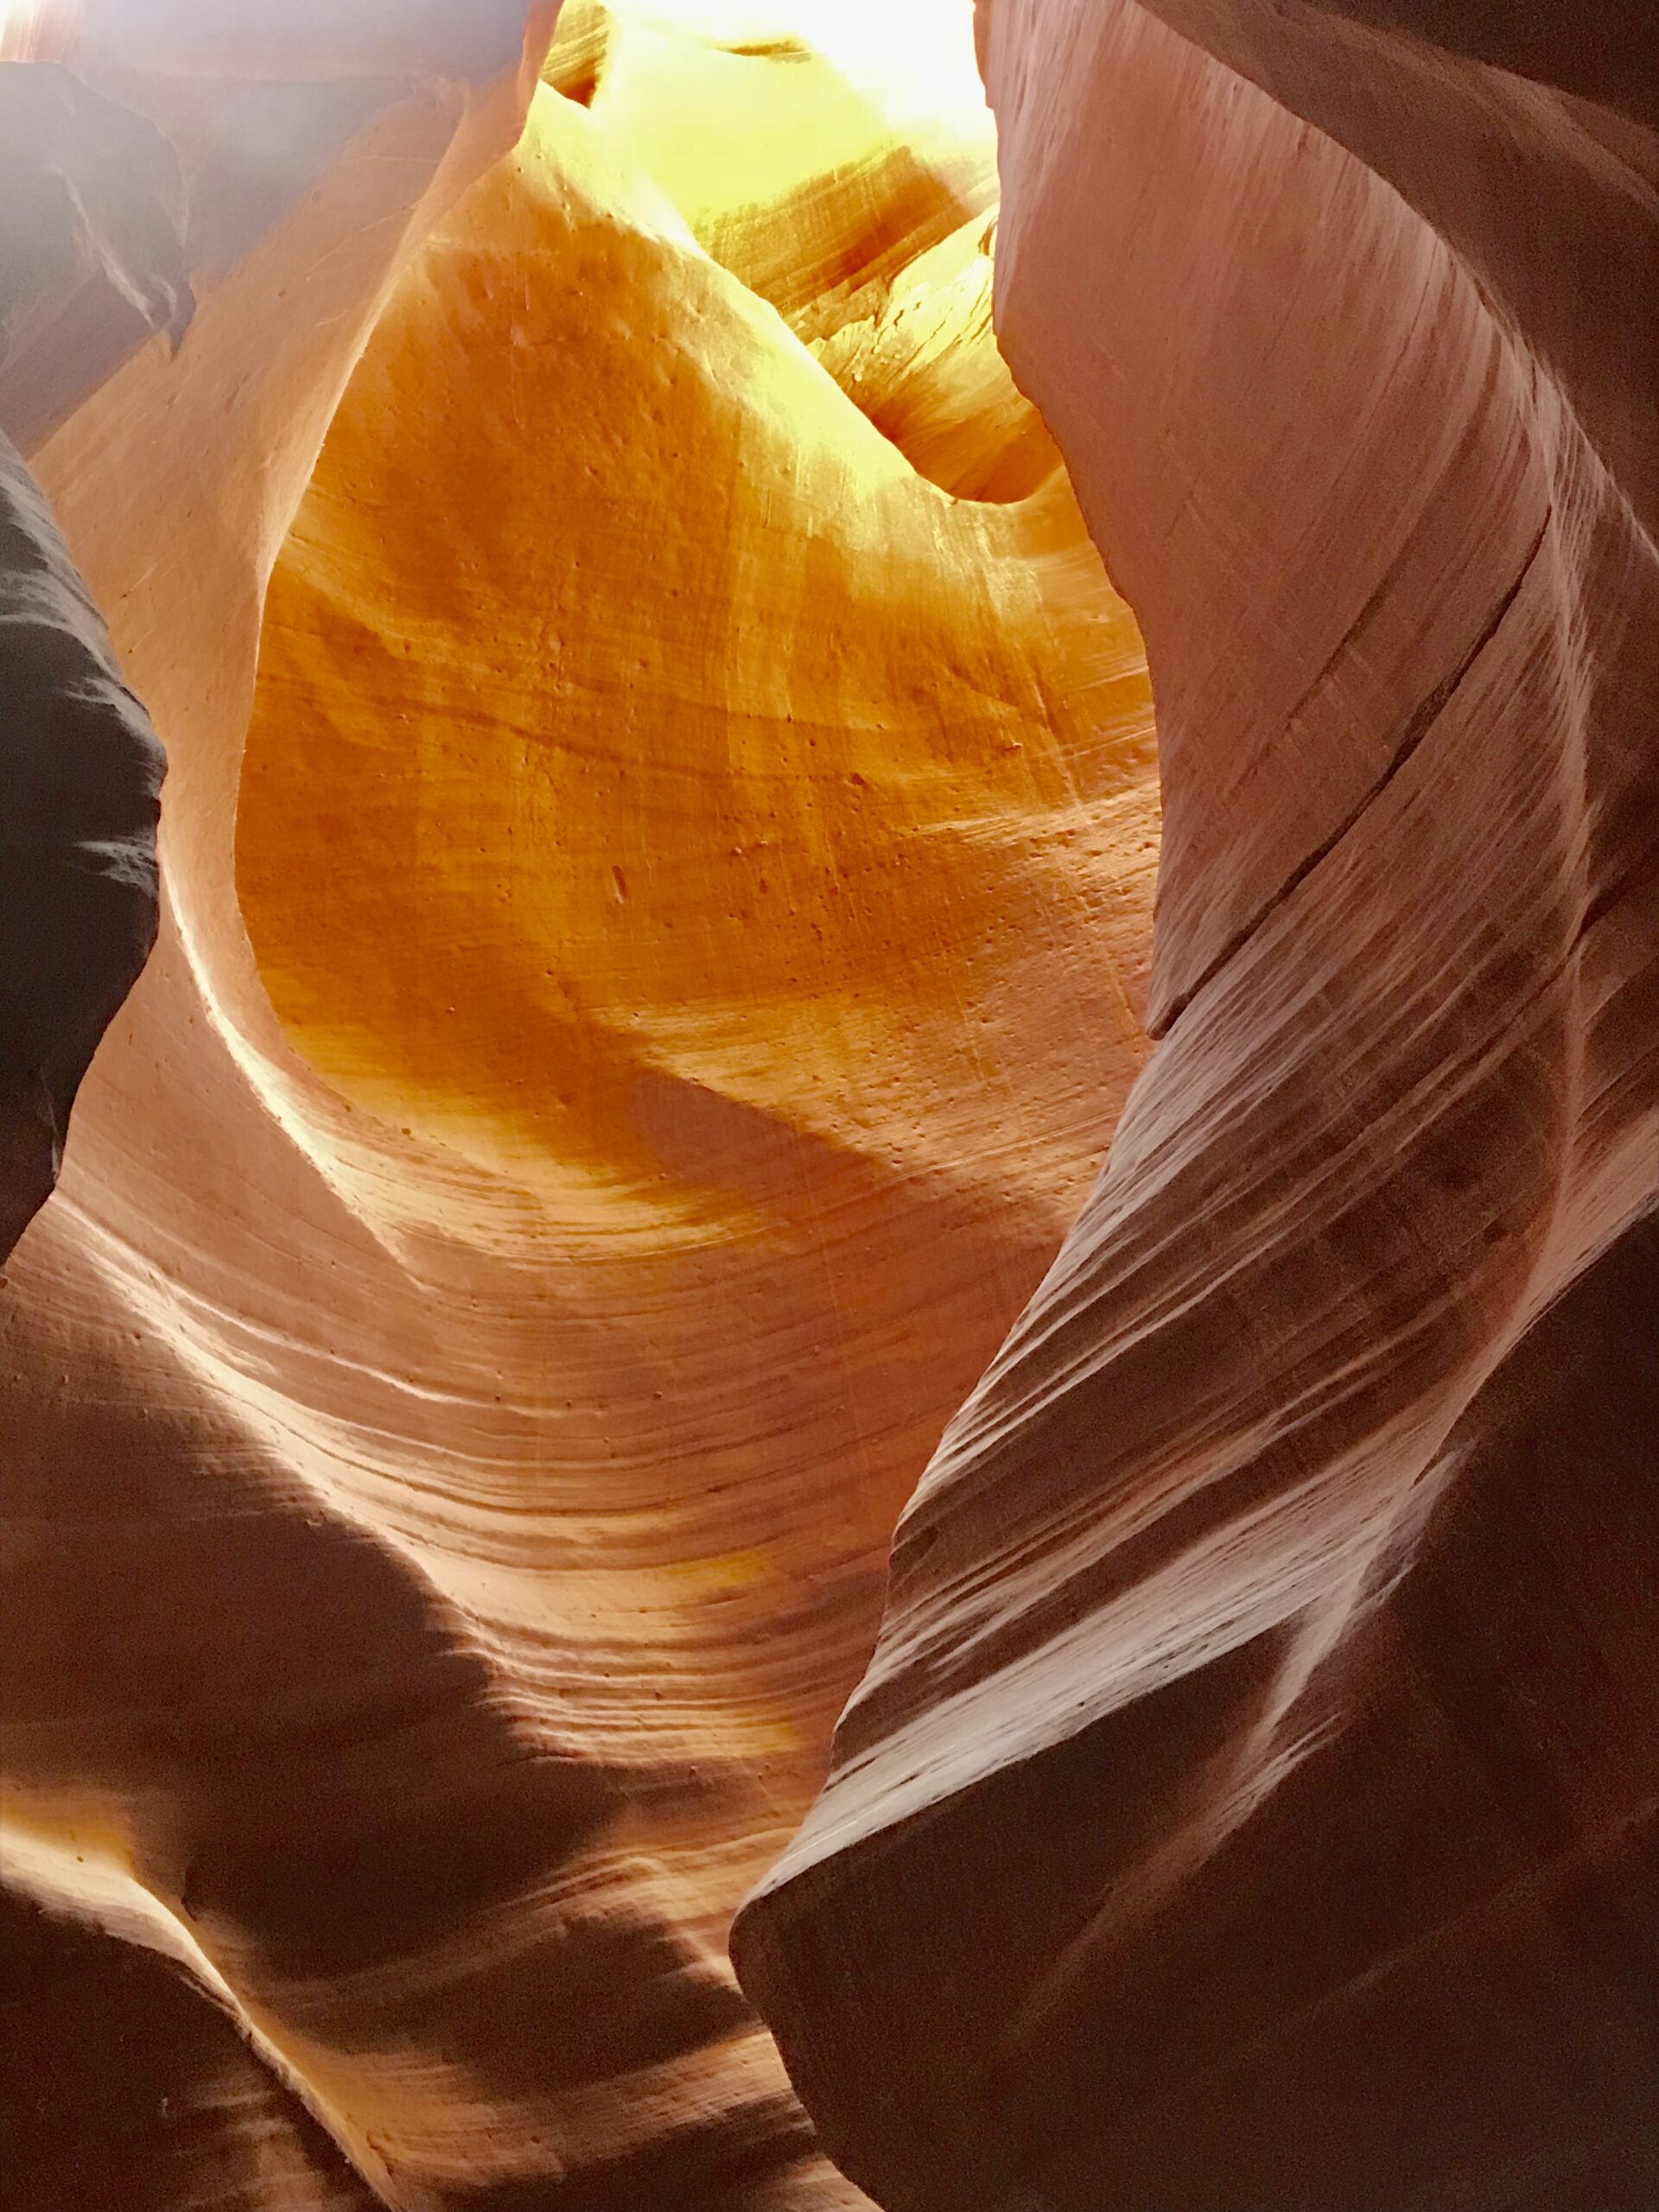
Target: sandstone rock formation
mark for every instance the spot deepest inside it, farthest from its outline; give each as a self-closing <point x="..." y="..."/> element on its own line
<point x="92" y="265"/>
<point x="81" y="771"/>
<point x="654" y="944"/>
<point x="1251" y="1799"/>
<point x="92" y="250"/>
<point x="695" y="845"/>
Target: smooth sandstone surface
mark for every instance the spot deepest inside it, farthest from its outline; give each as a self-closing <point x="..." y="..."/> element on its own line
<point x="1251" y="1798"/>
<point x="624" y="1042"/>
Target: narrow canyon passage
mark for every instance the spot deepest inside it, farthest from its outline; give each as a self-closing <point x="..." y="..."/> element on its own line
<point x="657" y="1071"/>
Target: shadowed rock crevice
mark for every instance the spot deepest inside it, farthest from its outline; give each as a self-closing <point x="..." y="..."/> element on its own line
<point x="81" y="772"/>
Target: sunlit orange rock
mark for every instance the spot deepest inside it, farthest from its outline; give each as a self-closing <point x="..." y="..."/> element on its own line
<point x="619" y="1054"/>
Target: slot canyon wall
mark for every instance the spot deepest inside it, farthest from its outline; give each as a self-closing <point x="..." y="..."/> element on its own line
<point x="656" y="937"/>
<point x="630" y="1027"/>
<point x="1251" y="1800"/>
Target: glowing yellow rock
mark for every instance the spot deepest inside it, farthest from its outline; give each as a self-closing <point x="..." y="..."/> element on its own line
<point x="671" y="738"/>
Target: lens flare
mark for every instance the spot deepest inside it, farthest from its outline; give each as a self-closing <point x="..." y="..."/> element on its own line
<point x="35" y="30"/>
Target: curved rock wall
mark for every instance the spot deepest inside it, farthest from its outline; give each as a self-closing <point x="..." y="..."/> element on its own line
<point x="696" y="870"/>
<point x="1251" y="1796"/>
<point x="693" y="847"/>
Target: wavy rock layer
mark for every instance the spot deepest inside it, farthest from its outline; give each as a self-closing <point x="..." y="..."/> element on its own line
<point x="697" y="867"/>
<point x="1251" y="1799"/>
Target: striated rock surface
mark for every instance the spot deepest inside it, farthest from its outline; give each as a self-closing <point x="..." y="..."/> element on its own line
<point x="695" y="870"/>
<point x="655" y="940"/>
<point x="1251" y="1799"/>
